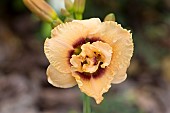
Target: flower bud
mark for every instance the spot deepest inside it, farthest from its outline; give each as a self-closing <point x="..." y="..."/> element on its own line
<point x="68" y="19"/>
<point x="43" y="10"/>
<point x="64" y="12"/>
<point x="110" y="17"/>
<point x="56" y="22"/>
<point x="79" y="6"/>
<point x="68" y="5"/>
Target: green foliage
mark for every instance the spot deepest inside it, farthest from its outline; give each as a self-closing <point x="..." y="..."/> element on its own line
<point x="117" y="104"/>
<point x="18" y="5"/>
<point x="45" y="30"/>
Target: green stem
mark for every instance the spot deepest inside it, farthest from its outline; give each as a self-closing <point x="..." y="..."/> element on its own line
<point x="86" y="104"/>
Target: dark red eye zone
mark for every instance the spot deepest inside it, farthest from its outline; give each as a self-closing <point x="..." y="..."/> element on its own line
<point x="87" y="76"/>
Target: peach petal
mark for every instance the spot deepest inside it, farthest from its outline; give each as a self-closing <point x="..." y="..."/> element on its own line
<point x="58" y="79"/>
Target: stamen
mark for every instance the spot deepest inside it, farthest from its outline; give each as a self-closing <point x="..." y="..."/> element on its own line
<point x="84" y="62"/>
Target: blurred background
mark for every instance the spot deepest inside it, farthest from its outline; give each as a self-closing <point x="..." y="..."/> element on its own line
<point x="23" y="84"/>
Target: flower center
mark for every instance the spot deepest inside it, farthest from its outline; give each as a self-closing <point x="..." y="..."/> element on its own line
<point x="91" y="57"/>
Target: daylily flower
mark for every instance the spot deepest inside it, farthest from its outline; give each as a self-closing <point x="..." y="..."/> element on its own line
<point x="90" y="53"/>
